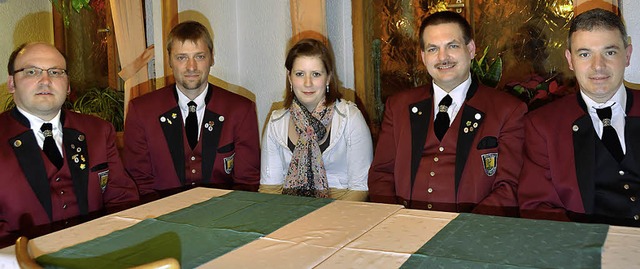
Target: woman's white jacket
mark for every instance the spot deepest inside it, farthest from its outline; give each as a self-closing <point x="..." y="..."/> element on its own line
<point x="346" y="159"/>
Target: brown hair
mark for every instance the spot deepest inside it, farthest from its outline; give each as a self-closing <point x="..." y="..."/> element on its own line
<point x="12" y="59"/>
<point x="314" y="48"/>
<point x="597" y="19"/>
<point x="189" y="30"/>
<point x="443" y="17"/>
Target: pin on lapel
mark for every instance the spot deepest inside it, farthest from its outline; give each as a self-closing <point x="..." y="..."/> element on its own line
<point x="575" y="128"/>
<point x="221" y="118"/>
<point x="209" y="125"/>
<point x="17" y="143"/>
<point x="174" y="115"/>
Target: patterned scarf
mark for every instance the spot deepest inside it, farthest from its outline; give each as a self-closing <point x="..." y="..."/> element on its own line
<point x="306" y="175"/>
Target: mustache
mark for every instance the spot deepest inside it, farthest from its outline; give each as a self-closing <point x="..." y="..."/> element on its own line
<point x="445" y="63"/>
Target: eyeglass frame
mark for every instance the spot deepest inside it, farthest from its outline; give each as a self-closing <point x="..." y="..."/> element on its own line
<point x="39" y="72"/>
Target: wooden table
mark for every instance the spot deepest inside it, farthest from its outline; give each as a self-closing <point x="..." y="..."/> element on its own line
<point x="341" y="234"/>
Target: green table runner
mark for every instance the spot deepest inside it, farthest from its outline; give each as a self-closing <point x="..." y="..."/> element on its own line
<point x="477" y="241"/>
<point x="193" y="235"/>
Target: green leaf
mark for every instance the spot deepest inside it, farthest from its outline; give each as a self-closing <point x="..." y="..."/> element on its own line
<point x="79" y="4"/>
<point x="494" y="74"/>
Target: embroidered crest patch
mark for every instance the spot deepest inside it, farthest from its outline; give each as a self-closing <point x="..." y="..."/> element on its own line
<point x="104" y="178"/>
<point x="228" y="164"/>
<point x="490" y="163"/>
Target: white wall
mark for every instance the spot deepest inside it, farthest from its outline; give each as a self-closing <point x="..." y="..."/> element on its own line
<point x="250" y="40"/>
<point x="339" y="30"/>
<point x="632" y="19"/>
<point x="22" y="21"/>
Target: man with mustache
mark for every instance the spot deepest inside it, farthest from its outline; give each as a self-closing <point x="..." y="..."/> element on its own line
<point x="580" y="153"/>
<point x="56" y="164"/>
<point x="191" y="133"/>
<point x="454" y="145"/>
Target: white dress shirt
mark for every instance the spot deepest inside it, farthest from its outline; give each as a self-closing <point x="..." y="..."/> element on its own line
<point x="183" y="100"/>
<point x="36" y="123"/>
<point x="618" y="102"/>
<point x="458" y="94"/>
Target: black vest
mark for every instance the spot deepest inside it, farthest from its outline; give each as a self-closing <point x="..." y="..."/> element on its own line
<point x="617" y="188"/>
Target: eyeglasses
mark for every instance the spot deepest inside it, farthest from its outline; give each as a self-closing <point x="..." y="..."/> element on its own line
<point x="33" y="72"/>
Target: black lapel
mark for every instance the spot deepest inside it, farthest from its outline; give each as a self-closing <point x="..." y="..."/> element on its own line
<point x="632" y="128"/>
<point x="419" y="116"/>
<point x="28" y="154"/>
<point x="584" y="152"/>
<point x="468" y="118"/>
<point x="77" y="155"/>
<point x="172" y="128"/>
<point x="466" y="133"/>
<point x="212" y="128"/>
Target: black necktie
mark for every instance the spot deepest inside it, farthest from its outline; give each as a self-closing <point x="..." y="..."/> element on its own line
<point x="441" y="124"/>
<point x="191" y="125"/>
<point x="609" y="134"/>
<point x="49" y="147"/>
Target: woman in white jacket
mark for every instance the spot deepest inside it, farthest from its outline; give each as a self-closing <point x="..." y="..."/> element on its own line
<point x="319" y="145"/>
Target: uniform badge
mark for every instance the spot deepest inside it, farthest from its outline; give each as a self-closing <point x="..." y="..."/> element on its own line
<point x="490" y="163"/>
<point x="228" y="164"/>
<point x="104" y="178"/>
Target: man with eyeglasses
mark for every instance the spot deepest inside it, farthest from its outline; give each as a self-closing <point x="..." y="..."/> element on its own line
<point x="56" y="164"/>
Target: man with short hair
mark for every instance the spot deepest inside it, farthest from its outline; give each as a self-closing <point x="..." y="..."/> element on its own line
<point x="56" y="164"/>
<point x="583" y="151"/>
<point x="453" y="145"/>
<point x="192" y="133"/>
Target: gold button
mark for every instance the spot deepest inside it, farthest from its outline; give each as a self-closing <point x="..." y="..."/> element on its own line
<point x="432" y="173"/>
<point x="441" y="149"/>
<point x="632" y="198"/>
<point x="193" y="158"/>
<point x="621" y="172"/>
<point x="429" y="206"/>
<point x="626" y="186"/>
<point x="193" y="171"/>
<point x="429" y="190"/>
<point x="435" y="159"/>
<point x="64" y="206"/>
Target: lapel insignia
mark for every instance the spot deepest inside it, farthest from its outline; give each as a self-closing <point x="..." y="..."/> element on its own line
<point x="83" y="166"/>
<point x="228" y="164"/>
<point x="163" y="119"/>
<point x="414" y="109"/>
<point x="575" y="128"/>
<point x="81" y="138"/>
<point x="466" y="130"/>
<point x="475" y="125"/>
<point x="221" y="118"/>
<point x="490" y="163"/>
<point x="209" y="126"/>
<point x="468" y="123"/>
<point x="478" y="116"/>
<point x="174" y="115"/>
<point x="104" y="178"/>
<point x="17" y="143"/>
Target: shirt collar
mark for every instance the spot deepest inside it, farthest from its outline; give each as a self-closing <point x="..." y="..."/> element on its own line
<point x="619" y="98"/>
<point x="183" y="100"/>
<point x="458" y="94"/>
<point x="35" y="122"/>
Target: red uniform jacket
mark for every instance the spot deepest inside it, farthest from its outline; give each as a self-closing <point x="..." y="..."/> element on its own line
<point x="405" y="129"/>
<point x="158" y="157"/>
<point x="558" y="175"/>
<point x="34" y="192"/>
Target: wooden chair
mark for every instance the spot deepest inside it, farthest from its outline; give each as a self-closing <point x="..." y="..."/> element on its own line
<point x="166" y="263"/>
<point x="25" y="260"/>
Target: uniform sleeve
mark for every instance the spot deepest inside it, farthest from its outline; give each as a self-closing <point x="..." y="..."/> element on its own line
<point x="121" y="190"/>
<point x="137" y="161"/>
<point x="246" y="171"/>
<point x="359" y="150"/>
<point x="502" y="199"/>
<point x="381" y="173"/>
<point x="537" y="195"/>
